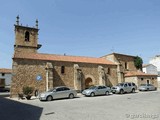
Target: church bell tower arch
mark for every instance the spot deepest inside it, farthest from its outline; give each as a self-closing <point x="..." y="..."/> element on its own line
<point x="26" y="38"/>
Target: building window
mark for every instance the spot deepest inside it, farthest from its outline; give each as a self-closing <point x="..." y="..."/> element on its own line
<point x="3" y="74"/>
<point x="62" y="69"/>
<point x="126" y="66"/>
<point x="27" y="36"/>
<point x="142" y="79"/>
<point x="147" y="81"/>
<point x="109" y="71"/>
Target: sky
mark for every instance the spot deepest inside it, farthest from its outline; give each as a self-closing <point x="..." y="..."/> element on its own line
<point x="91" y="28"/>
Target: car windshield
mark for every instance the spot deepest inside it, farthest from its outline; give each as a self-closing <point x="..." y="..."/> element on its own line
<point x="143" y="85"/>
<point x="120" y="84"/>
<point x="92" y="87"/>
<point x="51" y="89"/>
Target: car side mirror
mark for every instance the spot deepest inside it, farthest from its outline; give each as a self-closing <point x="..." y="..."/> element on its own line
<point x="54" y="90"/>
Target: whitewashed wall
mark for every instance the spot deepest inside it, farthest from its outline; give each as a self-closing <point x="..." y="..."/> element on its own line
<point x="156" y="62"/>
<point x="7" y="78"/>
<point x="151" y="69"/>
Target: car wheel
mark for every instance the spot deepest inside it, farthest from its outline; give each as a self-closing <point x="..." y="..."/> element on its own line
<point x="92" y="94"/>
<point x="133" y="90"/>
<point x="71" y="96"/>
<point x="121" y="91"/>
<point x="107" y="93"/>
<point x="49" y="98"/>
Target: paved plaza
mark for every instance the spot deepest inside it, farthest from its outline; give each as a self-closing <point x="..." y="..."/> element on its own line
<point x="137" y="106"/>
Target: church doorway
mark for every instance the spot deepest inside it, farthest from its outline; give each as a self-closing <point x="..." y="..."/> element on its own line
<point x="88" y="83"/>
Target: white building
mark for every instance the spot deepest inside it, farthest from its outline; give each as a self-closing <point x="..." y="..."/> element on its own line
<point x="156" y="62"/>
<point x="5" y="77"/>
<point x="150" y="69"/>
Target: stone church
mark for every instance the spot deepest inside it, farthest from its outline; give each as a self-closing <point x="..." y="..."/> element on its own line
<point x="45" y="71"/>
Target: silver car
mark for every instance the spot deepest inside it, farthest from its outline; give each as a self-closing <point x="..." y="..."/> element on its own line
<point x="146" y="87"/>
<point x="125" y="87"/>
<point x="97" y="90"/>
<point x="57" y="93"/>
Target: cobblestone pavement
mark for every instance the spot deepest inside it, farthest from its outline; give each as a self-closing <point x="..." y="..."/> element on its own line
<point x="137" y="106"/>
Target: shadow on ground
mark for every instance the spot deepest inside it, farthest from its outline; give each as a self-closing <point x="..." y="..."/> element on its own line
<point x="13" y="110"/>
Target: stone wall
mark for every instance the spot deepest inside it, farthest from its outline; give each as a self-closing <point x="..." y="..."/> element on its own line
<point x="63" y="79"/>
<point x="26" y="71"/>
<point x="124" y="63"/>
<point x="122" y="59"/>
<point x="21" y="50"/>
<point x="20" y="36"/>
<point x="132" y="79"/>
<point x="22" y="45"/>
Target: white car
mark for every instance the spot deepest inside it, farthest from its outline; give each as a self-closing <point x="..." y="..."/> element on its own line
<point x="125" y="87"/>
<point x="97" y="90"/>
<point x="146" y="87"/>
<point x="57" y="93"/>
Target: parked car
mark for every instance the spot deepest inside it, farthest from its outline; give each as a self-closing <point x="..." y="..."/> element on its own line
<point x="97" y="90"/>
<point x="125" y="87"/>
<point x="146" y="87"/>
<point x="57" y="93"/>
<point x="5" y="89"/>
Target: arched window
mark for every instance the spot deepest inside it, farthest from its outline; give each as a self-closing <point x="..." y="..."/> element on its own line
<point x="26" y="36"/>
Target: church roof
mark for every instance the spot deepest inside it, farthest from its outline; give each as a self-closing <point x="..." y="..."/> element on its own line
<point x="119" y="55"/>
<point x="64" y="58"/>
<point x="137" y="73"/>
<point x="4" y="70"/>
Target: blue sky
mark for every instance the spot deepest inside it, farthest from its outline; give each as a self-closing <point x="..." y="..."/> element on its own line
<point x="84" y="27"/>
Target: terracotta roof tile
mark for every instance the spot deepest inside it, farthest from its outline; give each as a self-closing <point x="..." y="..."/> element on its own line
<point x="4" y="70"/>
<point x="65" y="58"/>
<point x="137" y="73"/>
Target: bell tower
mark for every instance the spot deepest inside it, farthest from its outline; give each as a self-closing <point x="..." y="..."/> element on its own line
<point x="26" y="38"/>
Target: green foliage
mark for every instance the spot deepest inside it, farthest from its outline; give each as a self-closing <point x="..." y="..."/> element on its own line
<point x="138" y="62"/>
<point x="27" y="90"/>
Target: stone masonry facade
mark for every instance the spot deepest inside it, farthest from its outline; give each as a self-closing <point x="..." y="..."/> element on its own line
<point x="25" y="72"/>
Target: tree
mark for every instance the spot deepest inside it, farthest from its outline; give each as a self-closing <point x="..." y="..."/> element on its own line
<point x="138" y="62"/>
